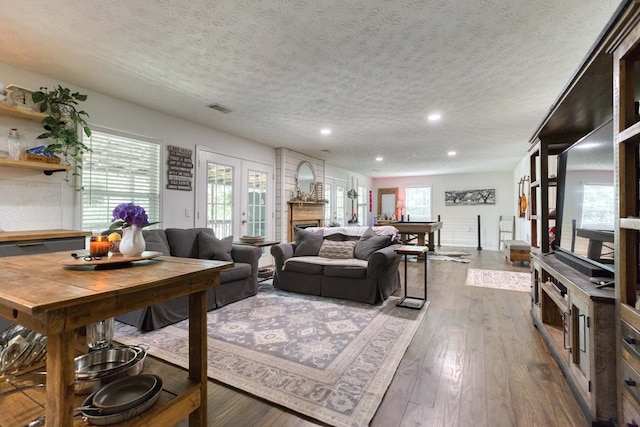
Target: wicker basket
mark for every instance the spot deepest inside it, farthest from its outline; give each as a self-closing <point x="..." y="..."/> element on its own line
<point x="41" y="158"/>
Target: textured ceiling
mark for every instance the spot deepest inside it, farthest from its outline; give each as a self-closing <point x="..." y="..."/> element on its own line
<point x="371" y="70"/>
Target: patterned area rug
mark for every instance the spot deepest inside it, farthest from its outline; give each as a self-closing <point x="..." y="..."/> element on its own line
<point x="511" y="280"/>
<point x="463" y="257"/>
<point x="329" y="359"/>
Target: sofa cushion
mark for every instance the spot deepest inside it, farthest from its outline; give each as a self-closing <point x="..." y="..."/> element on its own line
<point x="156" y="240"/>
<point x="308" y="243"/>
<point x="239" y="271"/>
<point x="337" y="250"/>
<point x="294" y="265"/>
<point x="210" y="247"/>
<point x="349" y="271"/>
<point x="369" y="243"/>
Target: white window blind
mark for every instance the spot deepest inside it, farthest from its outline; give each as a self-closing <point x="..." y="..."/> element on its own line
<point x="120" y="169"/>
<point x="418" y="203"/>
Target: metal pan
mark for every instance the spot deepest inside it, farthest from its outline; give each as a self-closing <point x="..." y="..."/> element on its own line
<point x="105" y="362"/>
<point x="125" y="393"/>
<point x="97" y="418"/>
<point x="90" y="386"/>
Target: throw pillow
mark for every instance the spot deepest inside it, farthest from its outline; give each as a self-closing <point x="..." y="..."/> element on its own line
<point x="184" y="242"/>
<point x="213" y="248"/>
<point x="336" y="237"/>
<point x="369" y="243"/>
<point x="156" y="240"/>
<point x="308" y="242"/>
<point x="337" y="250"/>
<point x="340" y="237"/>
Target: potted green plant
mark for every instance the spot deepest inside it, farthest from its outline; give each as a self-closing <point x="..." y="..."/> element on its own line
<point x="63" y="123"/>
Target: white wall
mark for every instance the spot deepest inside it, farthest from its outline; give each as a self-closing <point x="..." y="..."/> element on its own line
<point x="460" y="222"/>
<point x="52" y="204"/>
<point x="351" y="179"/>
<point x="287" y="162"/>
<point x="523" y="224"/>
<point x="29" y="200"/>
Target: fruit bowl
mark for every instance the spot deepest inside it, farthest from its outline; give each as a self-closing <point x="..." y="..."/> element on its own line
<point x="114" y="242"/>
<point x="114" y="247"/>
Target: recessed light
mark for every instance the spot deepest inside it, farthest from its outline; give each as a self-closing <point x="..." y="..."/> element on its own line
<point x="379" y="159"/>
<point x="325" y="131"/>
<point x="451" y="153"/>
<point x="434" y="117"/>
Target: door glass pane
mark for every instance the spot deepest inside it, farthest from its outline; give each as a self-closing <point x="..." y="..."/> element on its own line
<point x="328" y="217"/>
<point x="220" y="199"/>
<point x="340" y="197"/>
<point x="362" y="205"/>
<point x="257" y="203"/>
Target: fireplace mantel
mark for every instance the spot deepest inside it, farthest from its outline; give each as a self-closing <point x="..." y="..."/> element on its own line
<point x="304" y="213"/>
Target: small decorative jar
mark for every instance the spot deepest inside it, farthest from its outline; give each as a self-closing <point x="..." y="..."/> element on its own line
<point x="98" y="246"/>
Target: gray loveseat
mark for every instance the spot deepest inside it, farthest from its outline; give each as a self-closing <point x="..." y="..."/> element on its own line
<point x="236" y="283"/>
<point x="355" y="263"/>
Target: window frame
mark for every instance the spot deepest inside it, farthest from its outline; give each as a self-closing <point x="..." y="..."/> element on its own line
<point x="407" y="205"/>
<point x="89" y="193"/>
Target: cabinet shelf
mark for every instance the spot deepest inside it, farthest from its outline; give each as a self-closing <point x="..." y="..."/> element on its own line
<point x="34" y="116"/>
<point x="540" y="198"/>
<point x="630" y="223"/>
<point x="580" y="332"/>
<point x="48" y="168"/>
<point x="21" y="113"/>
<point x="558" y="299"/>
<point x="629" y="133"/>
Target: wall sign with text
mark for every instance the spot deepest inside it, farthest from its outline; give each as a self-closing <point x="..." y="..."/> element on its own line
<point x="179" y="168"/>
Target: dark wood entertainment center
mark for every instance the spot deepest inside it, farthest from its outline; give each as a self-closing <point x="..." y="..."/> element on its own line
<point x="594" y="332"/>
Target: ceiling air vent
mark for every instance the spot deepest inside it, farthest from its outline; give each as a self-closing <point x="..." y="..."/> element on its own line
<point x="220" y="108"/>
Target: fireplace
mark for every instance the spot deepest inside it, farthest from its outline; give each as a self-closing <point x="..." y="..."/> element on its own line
<point x="303" y="215"/>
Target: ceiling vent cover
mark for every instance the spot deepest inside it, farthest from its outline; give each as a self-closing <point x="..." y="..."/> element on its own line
<point x="220" y="108"/>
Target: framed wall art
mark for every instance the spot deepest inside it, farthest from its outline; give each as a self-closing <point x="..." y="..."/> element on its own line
<point x="470" y="197"/>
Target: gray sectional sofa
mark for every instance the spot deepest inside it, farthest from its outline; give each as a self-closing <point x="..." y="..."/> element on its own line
<point x="236" y="283"/>
<point x="355" y="263"/>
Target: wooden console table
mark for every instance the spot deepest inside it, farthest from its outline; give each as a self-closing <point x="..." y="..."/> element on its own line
<point x="37" y="292"/>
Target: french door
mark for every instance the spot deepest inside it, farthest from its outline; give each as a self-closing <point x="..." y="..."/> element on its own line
<point x="234" y="197"/>
<point x="335" y="193"/>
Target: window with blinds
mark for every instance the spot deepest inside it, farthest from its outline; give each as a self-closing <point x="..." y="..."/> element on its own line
<point x="119" y="169"/>
<point x="418" y="203"/>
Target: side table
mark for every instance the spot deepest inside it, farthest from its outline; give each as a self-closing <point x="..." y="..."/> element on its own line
<point x="263" y="273"/>
<point x="413" y="301"/>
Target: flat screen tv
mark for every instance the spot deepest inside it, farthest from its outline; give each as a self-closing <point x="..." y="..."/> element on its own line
<point x="585" y="207"/>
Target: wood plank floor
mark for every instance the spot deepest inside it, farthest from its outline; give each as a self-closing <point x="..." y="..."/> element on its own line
<point x="476" y="360"/>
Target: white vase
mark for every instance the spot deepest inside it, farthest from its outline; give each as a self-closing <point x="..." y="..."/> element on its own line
<point x="132" y="243"/>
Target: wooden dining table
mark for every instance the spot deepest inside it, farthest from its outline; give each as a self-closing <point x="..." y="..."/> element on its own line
<point x="39" y="292"/>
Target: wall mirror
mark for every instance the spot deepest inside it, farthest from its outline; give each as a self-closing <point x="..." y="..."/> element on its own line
<point x="387" y="201"/>
<point x="305" y="177"/>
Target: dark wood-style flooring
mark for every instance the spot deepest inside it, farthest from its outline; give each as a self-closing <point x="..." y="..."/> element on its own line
<point x="476" y="360"/>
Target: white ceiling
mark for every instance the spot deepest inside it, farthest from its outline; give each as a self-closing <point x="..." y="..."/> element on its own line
<point x="371" y="70"/>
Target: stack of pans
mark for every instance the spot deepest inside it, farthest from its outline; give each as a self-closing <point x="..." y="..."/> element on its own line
<point x="98" y="368"/>
<point x="121" y="399"/>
